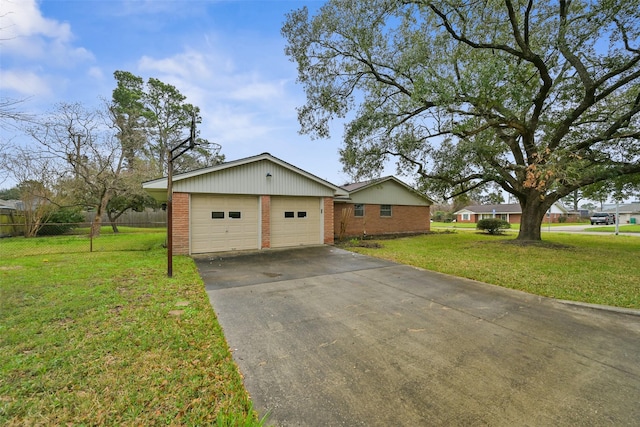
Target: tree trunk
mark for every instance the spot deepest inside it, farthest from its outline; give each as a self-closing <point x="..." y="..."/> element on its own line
<point x="533" y="212"/>
<point x="113" y="219"/>
<point x="97" y="220"/>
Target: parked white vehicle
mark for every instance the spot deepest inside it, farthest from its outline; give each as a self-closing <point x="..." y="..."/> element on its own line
<point x="603" y="218"/>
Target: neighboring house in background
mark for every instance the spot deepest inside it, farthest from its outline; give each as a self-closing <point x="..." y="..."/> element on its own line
<point x="512" y="213"/>
<point x="10" y="219"/>
<point x="7" y="206"/>
<point x="629" y="213"/>
<point x="381" y="206"/>
<point x="263" y="202"/>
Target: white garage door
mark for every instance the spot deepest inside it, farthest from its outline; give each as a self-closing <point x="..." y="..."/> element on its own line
<point x="223" y="223"/>
<point x="295" y="221"/>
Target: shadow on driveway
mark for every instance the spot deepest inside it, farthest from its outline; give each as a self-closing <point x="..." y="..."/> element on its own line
<point x="325" y="337"/>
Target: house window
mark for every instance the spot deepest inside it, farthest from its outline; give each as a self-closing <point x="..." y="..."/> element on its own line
<point x="234" y="215"/>
<point x="466" y="217"/>
<point x="358" y="210"/>
<point x="302" y="214"/>
<point x="217" y="215"/>
<point x="289" y="214"/>
<point x="385" y="210"/>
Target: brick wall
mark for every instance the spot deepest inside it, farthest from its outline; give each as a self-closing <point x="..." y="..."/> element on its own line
<point x="472" y="218"/>
<point x="265" y="202"/>
<point x="328" y="221"/>
<point x="180" y="227"/>
<point x="403" y="219"/>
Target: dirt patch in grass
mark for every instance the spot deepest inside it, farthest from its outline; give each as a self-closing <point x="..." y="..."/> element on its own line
<point x="536" y="243"/>
<point x="370" y="245"/>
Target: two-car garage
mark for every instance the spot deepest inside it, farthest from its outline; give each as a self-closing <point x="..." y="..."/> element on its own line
<point x="255" y="203"/>
<point x="232" y="222"/>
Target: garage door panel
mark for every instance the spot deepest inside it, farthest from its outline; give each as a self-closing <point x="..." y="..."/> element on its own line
<point x="302" y="224"/>
<point x="209" y="234"/>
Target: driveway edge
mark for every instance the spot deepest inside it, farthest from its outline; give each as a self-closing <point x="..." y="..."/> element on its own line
<point x="621" y="310"/>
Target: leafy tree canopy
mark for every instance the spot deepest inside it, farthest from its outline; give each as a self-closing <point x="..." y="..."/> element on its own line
<point x="12" y="193"/>
<point x="541" y="98"/>
<point x="152" y="118"/>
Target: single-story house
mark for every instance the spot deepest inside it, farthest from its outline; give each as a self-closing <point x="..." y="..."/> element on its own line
<point x="381" y="206"/>
<point x="511" y="212"/>
<point x="263" y="202"/>
<point x="10" y="206"/>
<point x="629" y="213"/>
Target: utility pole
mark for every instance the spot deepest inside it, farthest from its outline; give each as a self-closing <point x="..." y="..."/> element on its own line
<point x="173" y="154"/>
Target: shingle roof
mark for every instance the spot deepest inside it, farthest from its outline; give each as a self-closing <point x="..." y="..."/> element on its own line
<point x="625" y="208"/>
<point x="10" y="204"/>
<point x="356" y="185"/>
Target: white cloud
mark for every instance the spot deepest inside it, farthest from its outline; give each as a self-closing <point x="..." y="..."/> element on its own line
<point x="32" y="43"/>
<point x="27" y="33"/>
<point x="24" y="83"/>
<point x="258" y="91"/>
<point x="22" y="18"/>
<point x="187" y="65"/>
<point x="96" y="73"/>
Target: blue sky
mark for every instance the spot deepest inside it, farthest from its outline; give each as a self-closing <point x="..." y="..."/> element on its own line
<point x="227" y="57"/>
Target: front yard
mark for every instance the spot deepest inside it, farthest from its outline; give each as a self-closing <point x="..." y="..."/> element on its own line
<point x="105" y="338"/>
<point x="586" y="268"/>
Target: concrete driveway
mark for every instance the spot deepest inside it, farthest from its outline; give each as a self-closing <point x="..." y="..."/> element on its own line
<point x="325" y="337"/>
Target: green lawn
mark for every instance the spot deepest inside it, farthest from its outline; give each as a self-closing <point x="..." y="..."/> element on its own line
<point x="592" y="269"/>
<point x="631" y="228"/>
<point x="105" y="338"/>
<point x="625" y="228"/>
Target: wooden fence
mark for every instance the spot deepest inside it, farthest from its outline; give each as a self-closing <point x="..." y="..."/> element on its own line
<point x="147" y="218"/>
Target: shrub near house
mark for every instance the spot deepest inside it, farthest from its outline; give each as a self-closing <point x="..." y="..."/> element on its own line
<point x="493" y="225"/>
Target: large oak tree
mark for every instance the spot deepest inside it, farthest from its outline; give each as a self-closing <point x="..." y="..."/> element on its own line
<point x="540" y="97"/>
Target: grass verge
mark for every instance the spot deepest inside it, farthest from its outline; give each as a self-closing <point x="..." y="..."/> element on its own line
<point x="633" y="228"/>
<point x="106" y="338"/>
<point x="586" y="268"/>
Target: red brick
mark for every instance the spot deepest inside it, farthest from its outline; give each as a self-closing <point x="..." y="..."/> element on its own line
<point x="328" y="221"/>
<point x="403" y="220"/>
<point x="266" y="221"/>
<point x="180" y="236"/>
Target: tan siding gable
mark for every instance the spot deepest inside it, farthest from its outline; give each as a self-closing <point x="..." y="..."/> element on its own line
<point x="388" y="193"/>
<point x="251" y="178"/>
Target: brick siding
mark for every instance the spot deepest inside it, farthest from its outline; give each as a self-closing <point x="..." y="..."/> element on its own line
<point x="403" y="220"/>
<point x="265" y="202"/>
<point x="328" y="237"/>
<point x="180" y="236"/>
<point x="515" y="218"/>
